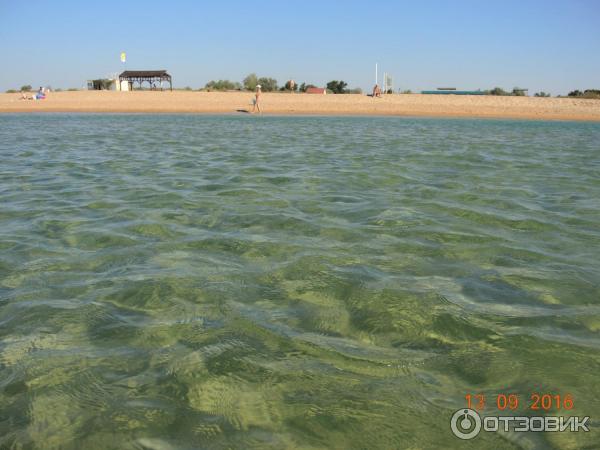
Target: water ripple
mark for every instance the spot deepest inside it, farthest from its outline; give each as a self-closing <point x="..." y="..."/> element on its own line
<point x="284" y="282"/>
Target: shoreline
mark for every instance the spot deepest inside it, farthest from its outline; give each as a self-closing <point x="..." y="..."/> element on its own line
<point x="401" y="105"/>
<point x="307" y="114"/>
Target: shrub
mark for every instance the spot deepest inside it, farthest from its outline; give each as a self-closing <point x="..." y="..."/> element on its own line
<point x="223" y="85"/>
<point x="591" y="93"/>
<point x="11" y="91"/>
<point x="588" y="93"/>
<point x="26" y="88"/>
<point x="541" y="94"/>
<point x="498" y="91"/>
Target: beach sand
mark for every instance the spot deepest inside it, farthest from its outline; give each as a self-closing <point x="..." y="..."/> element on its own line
<point x="284" y="103"/>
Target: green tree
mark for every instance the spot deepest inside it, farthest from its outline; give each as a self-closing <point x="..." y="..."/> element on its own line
<point x="26" y="88"/>
<point x="250" y="82"/>
<point x="575" y="93"/>
<point x="337" y="87"/>
<point x="541" y="94"/>
<point x="267" y="84"/>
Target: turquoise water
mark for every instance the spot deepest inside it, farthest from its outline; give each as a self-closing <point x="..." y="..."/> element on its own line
<point x="177" y="282"/>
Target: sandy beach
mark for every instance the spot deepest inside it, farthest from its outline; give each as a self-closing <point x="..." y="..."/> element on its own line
<point x="283" y="103"/>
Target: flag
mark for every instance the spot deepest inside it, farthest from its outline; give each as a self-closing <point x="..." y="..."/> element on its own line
<point x="123" y="57"/>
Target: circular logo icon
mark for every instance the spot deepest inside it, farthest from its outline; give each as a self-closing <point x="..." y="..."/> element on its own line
<point x="465" y="424"/>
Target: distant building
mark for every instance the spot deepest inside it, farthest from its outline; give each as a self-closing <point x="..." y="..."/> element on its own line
<point x="125" y="81"/>
<point x="152" y="77"/>
<point x="102" y="84"/>
<point x="316" y="90"/>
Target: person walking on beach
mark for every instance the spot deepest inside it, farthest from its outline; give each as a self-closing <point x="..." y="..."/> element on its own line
<point x="256" y="101"/>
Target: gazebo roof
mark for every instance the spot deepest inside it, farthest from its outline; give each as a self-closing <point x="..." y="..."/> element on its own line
<point x="144" y="74"/>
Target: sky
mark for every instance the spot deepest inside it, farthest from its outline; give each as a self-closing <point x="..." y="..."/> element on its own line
<point x="548" y="45"/>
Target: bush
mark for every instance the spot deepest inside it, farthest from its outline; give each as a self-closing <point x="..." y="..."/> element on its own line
<point x="223" y="85"/>
<point x="250" y="82"/>
<point x="588" y="93"/>
<point x="26" y="88"/>
<point x="11" y="91"/>
<point x="591" y="93"/>
<point x="337" y="87"/>
<point x="498" y="91"/>
<point x="541" y="94"/>
<point x="267" y="84"/>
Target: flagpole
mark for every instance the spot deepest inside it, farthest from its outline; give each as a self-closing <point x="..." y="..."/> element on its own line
<point x="124" y="61"/>
<point x="375" y="73"/>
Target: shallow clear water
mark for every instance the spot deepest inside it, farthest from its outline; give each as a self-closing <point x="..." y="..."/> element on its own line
<point x="292" y="282"/>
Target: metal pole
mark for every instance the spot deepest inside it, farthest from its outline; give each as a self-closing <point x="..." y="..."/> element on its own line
<point x="375" y="73"/>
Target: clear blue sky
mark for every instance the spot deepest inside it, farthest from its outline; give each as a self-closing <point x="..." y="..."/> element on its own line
<point x="540" y="45"/>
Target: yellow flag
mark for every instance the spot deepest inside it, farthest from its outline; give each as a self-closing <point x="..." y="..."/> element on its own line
<point x="123" y="57"/>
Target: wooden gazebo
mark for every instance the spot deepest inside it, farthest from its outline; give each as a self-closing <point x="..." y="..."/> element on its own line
<point x="151" y="76"/>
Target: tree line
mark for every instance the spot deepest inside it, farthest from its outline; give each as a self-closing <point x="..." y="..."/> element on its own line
<point x="268" y="84"/>
<point x="588" y="93"/>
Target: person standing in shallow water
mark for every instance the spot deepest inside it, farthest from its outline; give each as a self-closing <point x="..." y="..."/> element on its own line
<point x="256" y="102"/>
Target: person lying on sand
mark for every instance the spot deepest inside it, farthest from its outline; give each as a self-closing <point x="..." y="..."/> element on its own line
<point x="24" y="96"/>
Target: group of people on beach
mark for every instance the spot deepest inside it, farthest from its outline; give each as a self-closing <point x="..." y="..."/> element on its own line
<point x="39" y="95"/>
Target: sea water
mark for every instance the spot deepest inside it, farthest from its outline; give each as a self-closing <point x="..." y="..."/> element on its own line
<point x="190" y="281"/>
